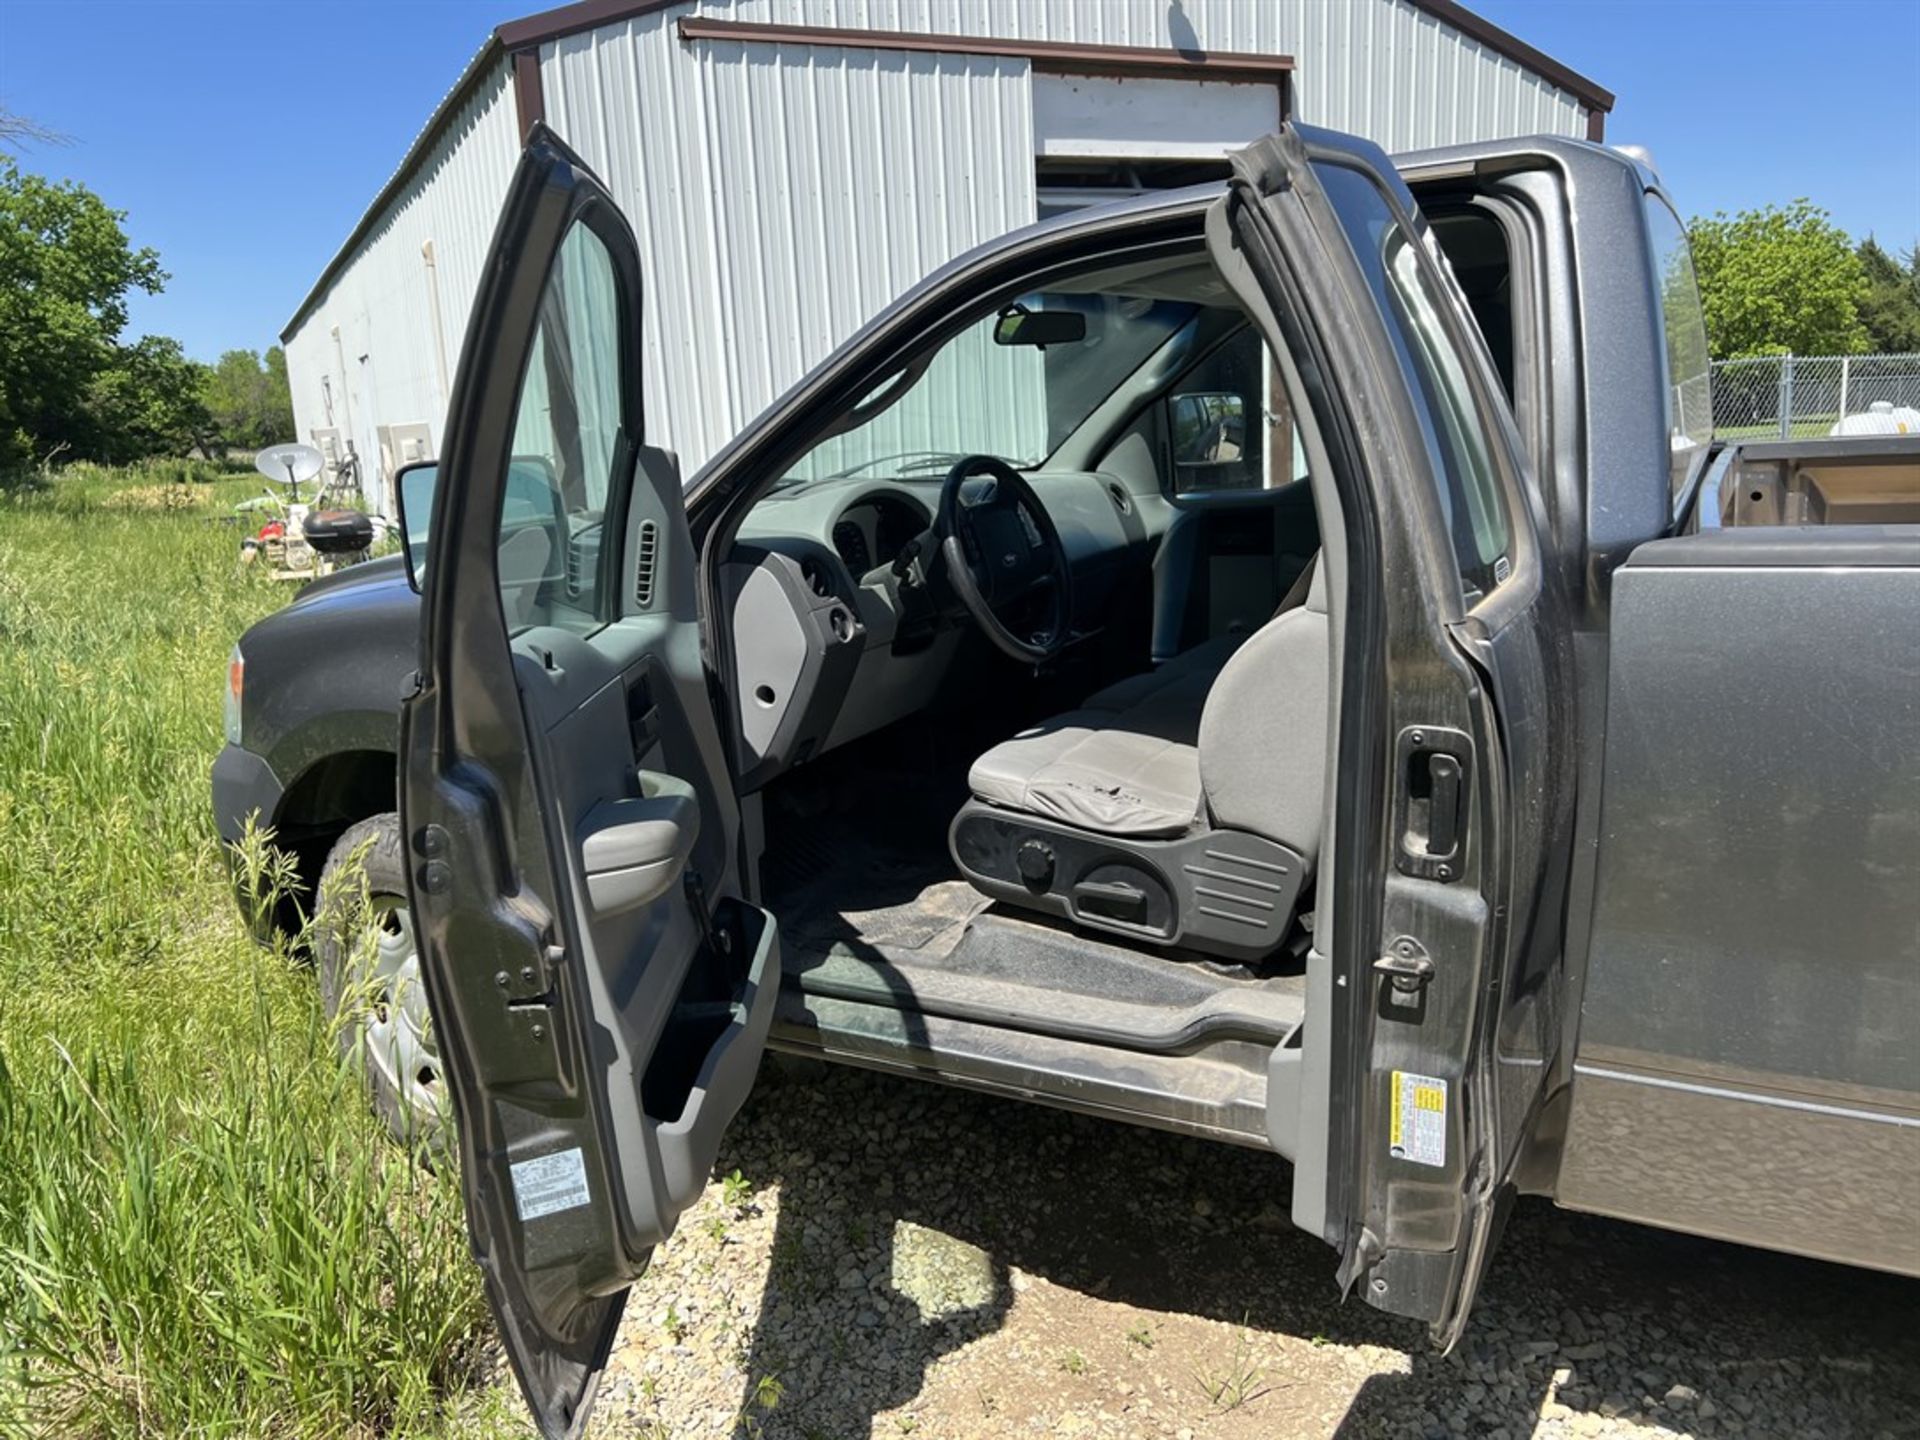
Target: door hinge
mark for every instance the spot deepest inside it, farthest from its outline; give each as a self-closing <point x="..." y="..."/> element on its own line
<point x="1406" y="965"/>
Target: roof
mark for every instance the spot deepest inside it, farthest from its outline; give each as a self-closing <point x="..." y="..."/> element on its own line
<point x="519" y="41"/>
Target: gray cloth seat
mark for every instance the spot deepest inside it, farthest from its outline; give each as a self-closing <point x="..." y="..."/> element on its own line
<point x="1229" y="735"/>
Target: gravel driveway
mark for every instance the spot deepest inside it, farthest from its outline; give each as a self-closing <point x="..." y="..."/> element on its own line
<point x="899" y="1259"/>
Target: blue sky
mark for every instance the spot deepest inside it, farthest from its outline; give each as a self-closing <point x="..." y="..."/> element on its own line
<point x="244" y="137"/>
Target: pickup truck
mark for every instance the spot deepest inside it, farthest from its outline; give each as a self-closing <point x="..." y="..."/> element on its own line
<point x="1283" y="661"/>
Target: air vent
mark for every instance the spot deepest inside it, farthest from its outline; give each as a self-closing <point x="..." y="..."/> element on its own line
<point x="817" y="578"/>
<point x="646" y="552"/>
<point x="576" y="564"/>
<point x="1121" y="500"/>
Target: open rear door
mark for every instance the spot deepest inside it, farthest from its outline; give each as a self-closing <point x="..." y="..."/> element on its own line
<point x="1441" y="916"/>
<point x="600" y="991"/>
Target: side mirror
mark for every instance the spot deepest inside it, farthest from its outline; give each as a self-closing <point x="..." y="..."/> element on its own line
<point x="1018" y="325"/>
<point x="1208" y="427"/>
<point x="413" y="488"/>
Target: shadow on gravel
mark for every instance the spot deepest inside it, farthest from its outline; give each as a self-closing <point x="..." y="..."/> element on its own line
<point x="910" y="1217"/>
<point x="957" y="1199"/>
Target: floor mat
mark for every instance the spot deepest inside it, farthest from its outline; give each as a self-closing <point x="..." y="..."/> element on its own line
<point x="857" y="861"/>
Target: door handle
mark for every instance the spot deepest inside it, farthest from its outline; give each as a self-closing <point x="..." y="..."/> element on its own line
<point x="1443" y="805"/>
<point x="1431" y="807"/>
<point x="633" y="850"/>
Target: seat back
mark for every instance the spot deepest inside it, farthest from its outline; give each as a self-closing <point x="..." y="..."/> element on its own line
<point x="1263" y="731"/>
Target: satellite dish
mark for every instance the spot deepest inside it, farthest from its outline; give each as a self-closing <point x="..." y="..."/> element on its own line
<point x="290" y="464"/>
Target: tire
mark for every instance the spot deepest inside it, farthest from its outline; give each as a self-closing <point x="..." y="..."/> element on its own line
<point x="370" y="981"/>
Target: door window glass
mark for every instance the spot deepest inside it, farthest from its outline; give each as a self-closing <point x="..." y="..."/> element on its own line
<point x="1689" y="390"/>
<point x="566" y="440"/>
<point x="1412" y="304"/>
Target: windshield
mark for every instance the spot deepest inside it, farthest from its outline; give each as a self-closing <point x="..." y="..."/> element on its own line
<point x="978" y="394"/>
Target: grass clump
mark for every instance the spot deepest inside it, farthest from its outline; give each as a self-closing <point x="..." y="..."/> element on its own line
<point x="201" y="1229"/>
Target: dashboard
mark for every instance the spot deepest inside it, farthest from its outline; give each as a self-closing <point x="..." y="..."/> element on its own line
<point x="821" y="653"/>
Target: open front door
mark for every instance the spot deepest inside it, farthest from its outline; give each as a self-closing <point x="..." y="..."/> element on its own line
<point x="1441" y="917"/>
<point x="600" y="991"/>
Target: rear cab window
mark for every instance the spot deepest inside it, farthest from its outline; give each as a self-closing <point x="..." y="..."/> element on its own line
<point x="1683" y="329"/>
<point x="1412" y="302"/>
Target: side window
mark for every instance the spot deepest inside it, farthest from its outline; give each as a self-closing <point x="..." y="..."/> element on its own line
<point x="1684" y="329"/>
<point x="1413" y="303"/>
<point x="1229" y="423"/>
<point x="566" y="439"/>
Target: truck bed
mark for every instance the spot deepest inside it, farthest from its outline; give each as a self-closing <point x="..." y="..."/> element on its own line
<point x="1859" y="480"/>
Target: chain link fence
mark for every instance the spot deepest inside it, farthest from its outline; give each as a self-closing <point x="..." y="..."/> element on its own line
<point x="1799" y="395"/>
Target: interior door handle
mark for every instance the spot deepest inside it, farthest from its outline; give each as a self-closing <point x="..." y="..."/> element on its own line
<point x="1431" y="806"/>
<point x="1443" y="820"/>
<point x="633" y="850"/>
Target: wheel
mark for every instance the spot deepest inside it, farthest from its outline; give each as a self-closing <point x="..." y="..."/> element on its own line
<point x="369" y="972"/>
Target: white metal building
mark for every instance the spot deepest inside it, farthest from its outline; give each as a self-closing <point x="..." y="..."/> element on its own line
<point x="791" y="165"/>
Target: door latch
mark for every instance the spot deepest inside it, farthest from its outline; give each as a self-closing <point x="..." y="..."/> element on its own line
<point x="1406" y="965"/>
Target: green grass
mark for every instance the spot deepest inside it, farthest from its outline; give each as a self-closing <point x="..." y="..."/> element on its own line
<point x="201" y="1230"/>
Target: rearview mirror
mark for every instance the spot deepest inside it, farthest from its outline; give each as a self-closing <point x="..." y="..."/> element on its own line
<point x="1040" y="328"/>
<point x="413" y="489"/>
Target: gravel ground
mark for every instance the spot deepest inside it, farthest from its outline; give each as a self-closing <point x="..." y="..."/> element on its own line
<point x="884" y="1258"/>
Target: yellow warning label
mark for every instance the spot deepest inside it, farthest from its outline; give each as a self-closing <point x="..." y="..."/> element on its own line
<point x="1417" y="1119"/>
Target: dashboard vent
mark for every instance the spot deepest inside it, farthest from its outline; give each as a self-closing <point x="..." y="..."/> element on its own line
<point x="576" y="564"/>
<point x="646" y="554"/>
<point x="817" y="578"/>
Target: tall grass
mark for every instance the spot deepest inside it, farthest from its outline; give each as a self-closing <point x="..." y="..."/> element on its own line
<point x="201" y="1230"/>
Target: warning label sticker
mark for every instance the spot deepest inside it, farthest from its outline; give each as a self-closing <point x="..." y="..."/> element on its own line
<point x="1417" y="1126"/>
<point x="548" y="1184"/>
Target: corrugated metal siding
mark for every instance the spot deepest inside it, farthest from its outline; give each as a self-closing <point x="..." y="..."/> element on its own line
<point x="381" y="303"/>
<point x="783" y="194"/>
<point x="1378" y="68"/>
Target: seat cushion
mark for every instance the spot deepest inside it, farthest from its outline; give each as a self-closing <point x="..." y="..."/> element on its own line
<point x="1136" y="773"/>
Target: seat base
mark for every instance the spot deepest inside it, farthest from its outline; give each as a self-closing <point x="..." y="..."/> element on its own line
<point x="1221" y="892"/>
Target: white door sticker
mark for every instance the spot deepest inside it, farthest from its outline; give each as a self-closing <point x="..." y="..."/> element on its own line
<point x="548" y="1184"/>
<point x="1417" y="1128"/>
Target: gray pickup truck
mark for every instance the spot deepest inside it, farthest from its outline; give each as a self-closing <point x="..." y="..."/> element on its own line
<point x="1284" y="662"/>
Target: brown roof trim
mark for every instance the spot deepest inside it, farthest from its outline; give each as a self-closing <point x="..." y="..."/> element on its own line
<point x="572" y="19"/>
<point x="529" y="96"/>
<point x="1052" y="56"/>
<point x="1475" y="27"/>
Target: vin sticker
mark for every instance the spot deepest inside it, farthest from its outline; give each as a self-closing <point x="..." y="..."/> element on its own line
<point x="1417" y="1126"/>
<point x="548" y="1184"/>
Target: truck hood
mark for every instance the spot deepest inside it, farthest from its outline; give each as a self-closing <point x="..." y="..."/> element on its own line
<point x="378" y="582"/>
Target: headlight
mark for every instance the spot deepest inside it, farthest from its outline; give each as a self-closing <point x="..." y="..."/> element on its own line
<point x="236" y="681"/>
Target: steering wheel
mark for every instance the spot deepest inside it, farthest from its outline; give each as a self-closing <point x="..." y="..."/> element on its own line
<point x="1001" y="553"/>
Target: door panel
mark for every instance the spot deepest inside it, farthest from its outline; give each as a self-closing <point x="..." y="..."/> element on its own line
<point x="1453" y="740"/>
<point x="601" y="991"/>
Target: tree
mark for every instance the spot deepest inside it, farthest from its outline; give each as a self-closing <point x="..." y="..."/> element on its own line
<point x="249" y="401"/>
<point x="17" y="132"/>
<point x="1891" y="308"/>
<point x="149" y="401"/>
<point x="66" y="270"/>
<point x="1779" y="280"/>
